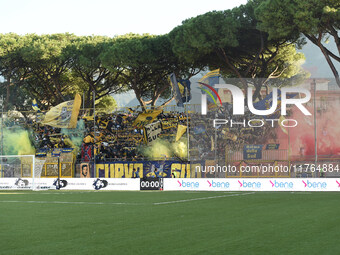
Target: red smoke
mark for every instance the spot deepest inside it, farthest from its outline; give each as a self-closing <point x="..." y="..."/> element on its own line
<point x="302" y="137"/>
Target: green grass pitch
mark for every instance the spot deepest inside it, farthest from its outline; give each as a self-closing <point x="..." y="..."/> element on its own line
<point x="160" y="222"/>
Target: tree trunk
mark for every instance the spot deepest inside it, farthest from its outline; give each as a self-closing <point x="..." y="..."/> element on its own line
<point x="142" y="103"/>
<point x="331" y="65"/>
<point x="8" y="93"/>
<point x="168" y="102"/>
<point x="257" y="93"/>
<point x="233" y="68"/>
<point x="318" y="43"/>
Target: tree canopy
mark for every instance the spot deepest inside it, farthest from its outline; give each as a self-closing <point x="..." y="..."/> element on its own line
<point x="230" y="40"/>
<point x="255" y="40"/>
<point x="147" y="61"/>
<point x="86" y="66"/>
<point x="52" y="68"/>
<point x="317" y="20"/>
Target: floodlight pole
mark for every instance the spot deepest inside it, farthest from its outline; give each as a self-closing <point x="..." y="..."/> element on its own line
<point x="290" y="173"/>
<point x="215" y="145"/>
<point x="2" y="133"/>
<point x="188" y="146"/>
<point x="315" y="125"/>
<point x="94" y="133"/>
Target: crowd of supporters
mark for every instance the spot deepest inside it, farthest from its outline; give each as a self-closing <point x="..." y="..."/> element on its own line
<point x="115" y="136"/>
<point x="209" y="142"/>
<point x="108" y="137"/>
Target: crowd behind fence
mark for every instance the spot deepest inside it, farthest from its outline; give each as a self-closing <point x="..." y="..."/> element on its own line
<point x="111" y="137"/>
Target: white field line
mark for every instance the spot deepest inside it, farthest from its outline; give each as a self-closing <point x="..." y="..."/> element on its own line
<point x="122" y="203"/>
<point x="65" y="202"/>
<point x="195" y="192"/>
<point x="201" y="198"/>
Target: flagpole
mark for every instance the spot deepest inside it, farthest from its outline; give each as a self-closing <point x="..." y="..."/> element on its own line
<point x="215" y="145"/>
<point x="94" y="134"/>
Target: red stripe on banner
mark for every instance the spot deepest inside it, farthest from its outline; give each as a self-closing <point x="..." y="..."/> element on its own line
<point x="213" y="90"/>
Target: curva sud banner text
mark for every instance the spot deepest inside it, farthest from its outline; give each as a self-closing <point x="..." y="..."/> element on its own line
<point x="149" y="169"/>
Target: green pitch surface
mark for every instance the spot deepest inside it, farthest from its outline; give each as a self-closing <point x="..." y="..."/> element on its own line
<point x="64" y="222"/>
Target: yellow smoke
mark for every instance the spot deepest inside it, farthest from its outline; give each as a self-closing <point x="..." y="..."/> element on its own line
<point x="156" y="150"/>
<point x="161" y="149"/>
<point x="17" y="142"/>
<point x="180" y="148"/>
<point x="76" y="135"/>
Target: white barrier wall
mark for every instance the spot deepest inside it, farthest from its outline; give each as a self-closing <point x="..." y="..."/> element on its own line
<point x="71" y="183"/>
<point x="204" y="184"/>
<point x="253" y="184"/>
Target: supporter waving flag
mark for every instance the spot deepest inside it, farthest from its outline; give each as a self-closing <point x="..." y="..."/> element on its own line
<point x="145" y="118"/>
<point x="176" y="90"/>
<point x="35" y="106"/>
<point x="64" y="115"/>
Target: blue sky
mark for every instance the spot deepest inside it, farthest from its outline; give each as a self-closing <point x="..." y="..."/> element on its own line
<point x="102" y="17"/>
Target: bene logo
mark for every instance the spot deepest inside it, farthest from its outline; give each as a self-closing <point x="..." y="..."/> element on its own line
<point x="315" y="184"/>
<point x="218" y="184"/>
<point x="282" y="184"/>
<point x="188" y="184"/>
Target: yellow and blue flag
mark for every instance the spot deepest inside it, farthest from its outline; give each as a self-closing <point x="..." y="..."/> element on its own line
<point x="145" y="118"/>
<point x="35" y="106"/>
<point x="64" y="115"/>
<point x="176" y="90"/>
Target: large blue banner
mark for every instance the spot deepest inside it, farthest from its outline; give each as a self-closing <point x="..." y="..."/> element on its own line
<point x="163" y="169"/>
<point x="252" y="151"/>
